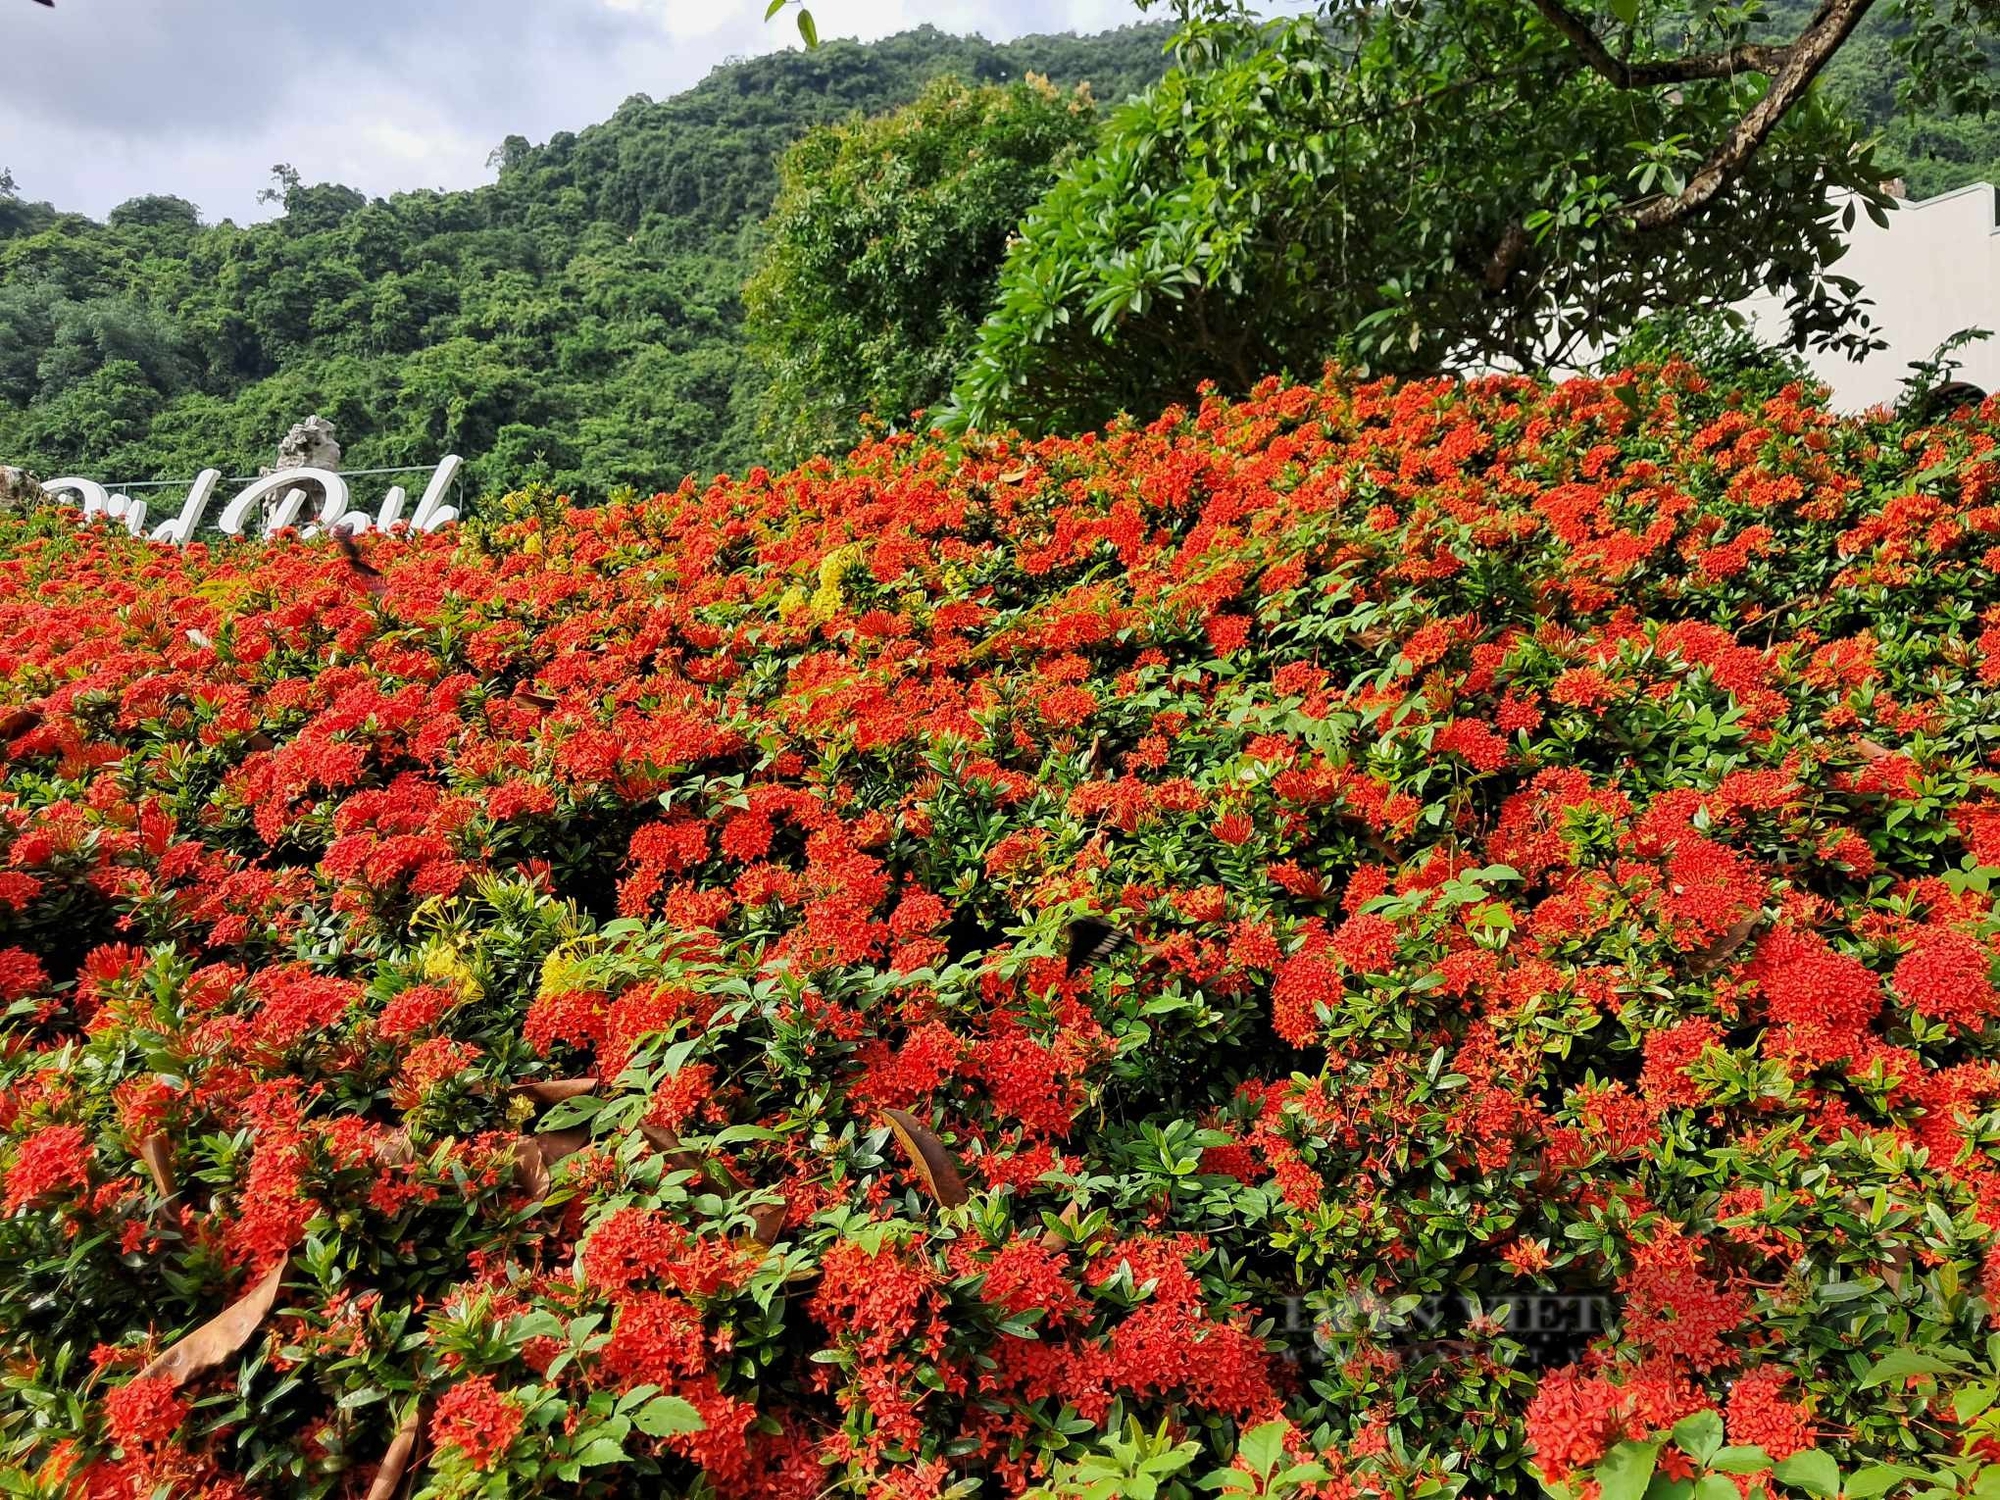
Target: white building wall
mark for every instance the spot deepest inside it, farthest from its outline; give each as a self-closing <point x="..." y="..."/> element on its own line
<point x="1933" y="271"/>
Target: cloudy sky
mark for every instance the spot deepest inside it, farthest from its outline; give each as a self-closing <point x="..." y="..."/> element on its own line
<point x="108" y="99"/>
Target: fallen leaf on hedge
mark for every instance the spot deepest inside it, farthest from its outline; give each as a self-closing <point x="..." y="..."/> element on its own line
<point x="928" y="1155"/>
<point x="669" y="1145"/>
<point x="17" y="722"/>
<point x="556" y="1144"/>
<point x="555" y="1090"/>
<point x="389" y="1478"/>
<point x="1015" y="476"/>
<point x="222" y="1335"/>
<point x="530" y="1170"/>
<point x="394" y="1149"/>
<point x="535" y="1154"/>
<point x="261" y="741"/>
<point x="1871" y="750"/>
<point x="769" y="1219"/>
<point x="1713" y="955"/>
<point x="157" y="1152"/>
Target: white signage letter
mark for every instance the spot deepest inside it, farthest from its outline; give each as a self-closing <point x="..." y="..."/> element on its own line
<point x="182" y="529"/>
<point x="330" y="484"/>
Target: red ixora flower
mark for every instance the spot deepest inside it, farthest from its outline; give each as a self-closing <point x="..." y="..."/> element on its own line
<point x="1948" y="976"/>
<point x="1689" y="663"/>
<point x="475" y="1417"/>
<point x="144" y="1412"/>
<point x="54" y="1160"/>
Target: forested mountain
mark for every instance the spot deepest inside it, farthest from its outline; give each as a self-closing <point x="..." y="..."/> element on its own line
<point x="581" y="314"/>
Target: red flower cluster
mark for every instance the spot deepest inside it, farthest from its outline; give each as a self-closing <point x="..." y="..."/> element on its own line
<point x="859" y="979"/>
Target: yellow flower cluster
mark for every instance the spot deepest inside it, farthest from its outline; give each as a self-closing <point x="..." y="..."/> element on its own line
<point x="825" y="601"/>
<point x="442" y="963"/>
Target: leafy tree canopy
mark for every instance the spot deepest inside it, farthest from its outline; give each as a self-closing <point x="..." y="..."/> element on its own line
<point x="1431" y="184"/>
<point x="883" y="247"/>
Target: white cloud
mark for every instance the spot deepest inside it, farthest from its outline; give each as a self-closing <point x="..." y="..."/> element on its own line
<point x="200" y="99"/>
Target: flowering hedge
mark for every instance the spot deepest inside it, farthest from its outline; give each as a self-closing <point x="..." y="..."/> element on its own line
<point x="976" y="968"/>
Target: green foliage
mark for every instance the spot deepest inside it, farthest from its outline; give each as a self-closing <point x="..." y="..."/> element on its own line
<point x="883" y="248"/>
<point x="1406" y="188"/>
<point x="1931" y="150"/>
<point x="580" y="318"/>
<point x="1720" y="342"/>
<point x="1134" y="1464"/>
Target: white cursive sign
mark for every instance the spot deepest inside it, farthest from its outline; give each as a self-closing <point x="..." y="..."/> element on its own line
<point x="290" y="486"/>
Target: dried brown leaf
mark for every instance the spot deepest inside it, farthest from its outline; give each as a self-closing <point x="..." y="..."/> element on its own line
<point x="394" y="1149"/>
<point x="555" y="1090"/>
<point x="1713" y="955"/>
<point x="928" y="1155"/>
<point x="535" y="1154"/>
<point x="664" y="1141"/>
<point x="222" y="1335"/>
<point x="157" y="1152"/>
<point x="16" y="722"/>
<point x="769" y="1222"/>
<point x="529" y="1169"/>
<point x="556" y="1144"/>
<point x="1872" y="750"/>
<point x="1015" y="476"/>
<point x="389" y="1478"/>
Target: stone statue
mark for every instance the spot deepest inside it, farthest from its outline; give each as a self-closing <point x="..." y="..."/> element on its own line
<point x="20" y="490"/>
<point x="309" y="445"/>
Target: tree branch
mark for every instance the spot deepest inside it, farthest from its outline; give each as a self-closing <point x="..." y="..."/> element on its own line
<point x="1829" y="28"/>
<point x="1744" y="57"/>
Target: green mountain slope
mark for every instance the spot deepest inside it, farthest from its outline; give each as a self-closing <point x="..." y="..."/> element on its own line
<point x="581" y="313"/>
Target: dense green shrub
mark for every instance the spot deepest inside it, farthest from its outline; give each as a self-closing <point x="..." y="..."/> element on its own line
<point x="883" y="248"/>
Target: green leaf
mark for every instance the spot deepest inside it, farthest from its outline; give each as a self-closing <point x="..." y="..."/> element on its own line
<point x="1715" y="1487"/>
<point x="807" y="29"/>
<point x="601" y="1450"/>
<point x="1626" y="1470"/>
<point x="1971" y="1401"/>
<point x="1812" y="1470"/>
<point x="1899" y="1363"/>
<point x="1262" y="1446"/>
<point x="664" y="1416"/>
<point x="1876" y="1479"/>
<point x="1626" y="11"/>
<point x="568" y="1112"/>
<point x="1741" y="1460"/>
<point x="773" y="8"/>
<point x="1699" y="1436"/>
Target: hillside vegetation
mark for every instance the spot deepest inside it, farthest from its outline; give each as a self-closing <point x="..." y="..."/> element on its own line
<point x="579" y="318"/>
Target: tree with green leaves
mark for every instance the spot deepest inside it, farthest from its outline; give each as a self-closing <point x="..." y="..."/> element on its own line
<point x="882" y="250"/>
<point x="1444" y="183"/>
